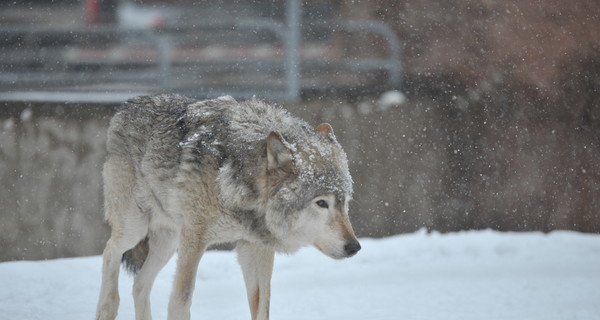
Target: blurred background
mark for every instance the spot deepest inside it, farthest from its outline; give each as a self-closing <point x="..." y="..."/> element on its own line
<point x="455" y="114"/>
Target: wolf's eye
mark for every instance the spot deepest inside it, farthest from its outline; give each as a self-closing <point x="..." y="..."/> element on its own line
<point x="322" y="204"/>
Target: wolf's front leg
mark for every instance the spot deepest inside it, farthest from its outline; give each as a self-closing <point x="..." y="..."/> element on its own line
<point x="257" y="266"/>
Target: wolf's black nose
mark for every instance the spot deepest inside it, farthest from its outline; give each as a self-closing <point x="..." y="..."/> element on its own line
<point x="352" y="248"/>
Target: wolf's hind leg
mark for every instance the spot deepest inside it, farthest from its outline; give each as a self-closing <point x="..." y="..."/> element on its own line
<point x="257" y="267"/>
<point x="118" y="243"/>
<point x="189" y="254"/>
<point x="129" y="226"/>
<point x="162" y="244"/>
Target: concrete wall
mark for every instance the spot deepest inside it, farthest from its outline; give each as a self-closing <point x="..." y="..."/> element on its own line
<point x="444" y="164"/>
<point x="51" y="202"/>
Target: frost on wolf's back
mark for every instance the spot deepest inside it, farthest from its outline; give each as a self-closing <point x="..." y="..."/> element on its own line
<point x="227" y="98"/>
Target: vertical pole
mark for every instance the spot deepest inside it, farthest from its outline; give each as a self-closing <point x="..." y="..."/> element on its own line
<point x="164" y="63"/>
<point x="292" y="67"/>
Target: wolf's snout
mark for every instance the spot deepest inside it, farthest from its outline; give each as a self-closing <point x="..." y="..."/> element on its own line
<point x="351" y="248"/>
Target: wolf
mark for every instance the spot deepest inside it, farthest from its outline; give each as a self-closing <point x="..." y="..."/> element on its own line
<point x="181" y="175"/>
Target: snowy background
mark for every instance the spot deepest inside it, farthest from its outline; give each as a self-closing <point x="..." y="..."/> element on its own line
<point x="496" y="125"/>
<point x="467" y="275"/>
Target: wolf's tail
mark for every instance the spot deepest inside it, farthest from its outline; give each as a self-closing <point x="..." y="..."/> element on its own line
<point x="133" y="259"/>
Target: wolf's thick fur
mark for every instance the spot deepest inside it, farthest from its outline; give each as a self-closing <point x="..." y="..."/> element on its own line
<point x="183" y="174"/>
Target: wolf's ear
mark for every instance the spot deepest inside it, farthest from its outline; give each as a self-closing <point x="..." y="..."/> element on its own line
<point x="279" y="156"/>
<point x="325" y="130"/>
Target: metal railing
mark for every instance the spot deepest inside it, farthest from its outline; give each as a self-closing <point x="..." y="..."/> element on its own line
<point x="112" y="62"/>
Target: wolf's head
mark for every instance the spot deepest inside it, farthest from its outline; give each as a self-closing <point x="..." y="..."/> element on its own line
<point x="309" y="189"/>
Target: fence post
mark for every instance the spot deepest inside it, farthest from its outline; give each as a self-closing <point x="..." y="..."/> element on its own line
<point x="164" y="62"/>
<point x="292" y="67"/>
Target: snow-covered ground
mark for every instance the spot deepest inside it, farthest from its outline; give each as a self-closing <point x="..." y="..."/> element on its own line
<point x="467" y="275"/>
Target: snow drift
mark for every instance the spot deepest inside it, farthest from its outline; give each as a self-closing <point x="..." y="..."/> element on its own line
<point x="466" y="275"/>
